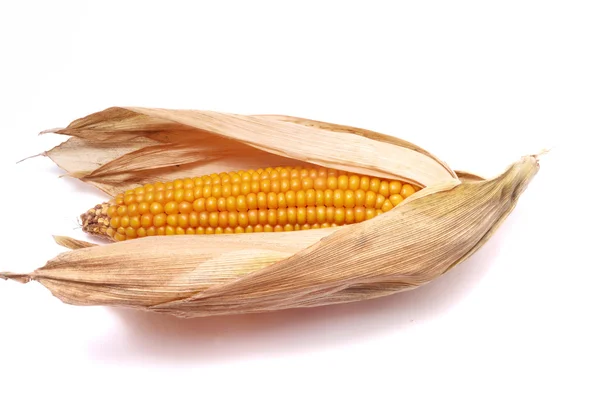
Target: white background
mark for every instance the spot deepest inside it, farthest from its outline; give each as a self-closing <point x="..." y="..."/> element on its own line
<point x="477" y="83"/>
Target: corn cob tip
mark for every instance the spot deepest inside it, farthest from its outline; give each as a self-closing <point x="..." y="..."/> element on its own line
<point x="95" y="221"/>
<point x="21" y="278"/>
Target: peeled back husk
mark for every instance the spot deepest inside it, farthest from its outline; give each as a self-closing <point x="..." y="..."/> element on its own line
<point x="414" y="243"/>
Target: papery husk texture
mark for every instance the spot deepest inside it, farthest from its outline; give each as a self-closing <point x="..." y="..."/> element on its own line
<point x="189" y="276"/>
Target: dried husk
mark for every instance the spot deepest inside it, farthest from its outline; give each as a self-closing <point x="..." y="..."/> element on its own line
<point x="188" y="276"/>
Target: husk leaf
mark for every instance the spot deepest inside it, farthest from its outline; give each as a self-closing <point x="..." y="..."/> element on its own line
<point x="120" y="148"/>
<point x="409" y="246"/>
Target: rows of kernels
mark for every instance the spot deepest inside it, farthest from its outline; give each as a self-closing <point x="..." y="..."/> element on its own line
<point x="261" y="200"/>
<point x="122" y="234"/>
<point x="279" y="199"/>
<point x="244" y="183"/>
<point x="292" y="215"/>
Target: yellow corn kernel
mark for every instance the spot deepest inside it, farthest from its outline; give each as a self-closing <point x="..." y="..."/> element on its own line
<point x="143" y="208"/>
<point x="387" y="206"/>
<point x="171" y="207"/>
<point x="156" y="208"/>
<point x="185" y="207"/>
<point x="178" y="195"/>
<point x="111" y="211"/>
<point x="375" y="184"/>
<point x="360" y="214"/>
<point x="396" y="199"/>
<point x="407" y="190"/>
<point x="159" y="220"/>
<point x="115" y="222"/>
<point x="172" y="220"/>
<point x="131" y="232"/>
<point x="134" y="222"/>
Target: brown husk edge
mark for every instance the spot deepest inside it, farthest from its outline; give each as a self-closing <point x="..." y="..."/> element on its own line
<point x="119" y="148"/>
<point x="190" y="276"/>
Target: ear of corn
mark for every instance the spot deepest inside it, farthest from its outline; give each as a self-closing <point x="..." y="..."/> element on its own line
<point x="405" y="240"/>
<point x="264" y="200"/>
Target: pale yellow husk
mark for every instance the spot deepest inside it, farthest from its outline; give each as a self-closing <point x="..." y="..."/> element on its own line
<point x="416" y="242"/>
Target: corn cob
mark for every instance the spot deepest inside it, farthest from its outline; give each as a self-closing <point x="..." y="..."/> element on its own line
<point x="263" y="200"/>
